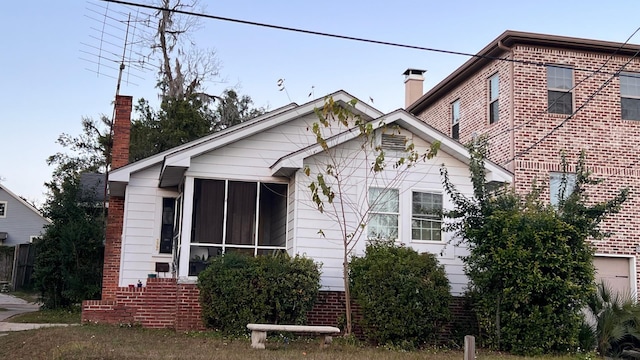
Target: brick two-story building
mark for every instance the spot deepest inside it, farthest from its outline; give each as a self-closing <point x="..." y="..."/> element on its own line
<point x="535" y="96"/>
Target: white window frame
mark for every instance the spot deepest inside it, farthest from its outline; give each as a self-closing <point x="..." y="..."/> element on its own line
<point x="566" y="88"/>
<point x="373" y="211"/>
<point x="629" y="89"/>
<point x="223" y="246"/>
<point x="455" y="119"/>
<point x="3" y="209"/>
<point x="414" y="217"/>
<point x="494" y="97"/>
<point x="556" y="177"/>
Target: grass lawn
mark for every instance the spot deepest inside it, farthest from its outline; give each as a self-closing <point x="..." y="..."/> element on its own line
<point x="110" y="342"/>
<point x="48" y="317"/>
<point x="29" y="296"/>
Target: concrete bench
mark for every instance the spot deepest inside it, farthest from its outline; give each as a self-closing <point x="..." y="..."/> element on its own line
<point x="259" y="332"/>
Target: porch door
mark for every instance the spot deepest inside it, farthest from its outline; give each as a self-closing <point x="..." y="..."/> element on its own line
<point x="177" y="225"/>
<point x="614" y="271"/>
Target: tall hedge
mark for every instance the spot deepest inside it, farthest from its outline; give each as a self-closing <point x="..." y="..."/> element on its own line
<point x="236" y="290"/>
<point x="404" y="295"/>
<point x="530" y="264"/>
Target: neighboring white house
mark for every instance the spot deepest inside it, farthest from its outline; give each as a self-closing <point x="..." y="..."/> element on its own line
<point x="20" y="222"/>
<point x="244" y="189"/>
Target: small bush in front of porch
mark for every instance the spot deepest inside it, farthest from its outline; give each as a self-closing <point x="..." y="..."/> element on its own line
<point x="236" y="290"/>
<point x="404" y="295"/>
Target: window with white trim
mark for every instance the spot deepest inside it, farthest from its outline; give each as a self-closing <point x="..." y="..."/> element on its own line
<point x="559" y="85"/>
<point x="426" y="216"/>
<point x="630" y="96"/>
<point x="246" y="217"/>
<point x="3" y="209"/>
<point x="383" y="215"/>
<point x="455" y="119"/>
<point x="494" y="92"/>
<point x="561" y="185"/>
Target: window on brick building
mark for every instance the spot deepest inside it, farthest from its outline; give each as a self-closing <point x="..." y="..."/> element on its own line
<point x="559" y="85"/>
<point x="630" y="96"/>
<point x="426" y="216"/>
<point x="455" y="119"/>
<point x="383" y="217"/>
<point x="561" y="185"/>
<point x="494" y="90"/>
<point x="3" y="209"/>
<point x="238" y="216"/>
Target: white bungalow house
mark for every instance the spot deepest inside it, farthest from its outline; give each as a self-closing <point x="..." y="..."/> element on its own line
<point x="244" y="189"/>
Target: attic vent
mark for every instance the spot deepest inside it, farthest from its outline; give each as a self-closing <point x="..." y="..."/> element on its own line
<point x="393" y="142"/>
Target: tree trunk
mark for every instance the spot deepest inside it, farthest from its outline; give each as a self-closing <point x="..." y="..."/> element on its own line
<point x="347" y="293"/>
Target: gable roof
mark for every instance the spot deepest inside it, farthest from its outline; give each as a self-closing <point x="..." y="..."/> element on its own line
<point x="502" y="44"/>
<point x="175" y="161"/>
<point x="25" y="203"/>
<point x="294" y="161"/>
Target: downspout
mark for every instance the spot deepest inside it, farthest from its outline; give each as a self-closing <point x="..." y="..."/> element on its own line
<point x="512" y="143"/>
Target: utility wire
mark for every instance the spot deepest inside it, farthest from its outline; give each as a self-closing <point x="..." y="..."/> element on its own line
<point x="336" y="36"/>
<point x="598" y="71"/>
<point x="414" y="47"/>
<point x="617" y="73"/>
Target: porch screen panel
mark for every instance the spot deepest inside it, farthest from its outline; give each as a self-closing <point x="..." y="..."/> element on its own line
<point x="241" y="213"/>
<point x="273" y="215"/>
<point x="208" y="211"/>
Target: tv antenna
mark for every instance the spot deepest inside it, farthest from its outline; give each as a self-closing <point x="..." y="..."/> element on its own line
<point x="116" y="41"/>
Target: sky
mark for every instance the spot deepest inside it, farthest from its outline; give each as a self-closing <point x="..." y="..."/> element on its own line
<point x="48" y="86"/>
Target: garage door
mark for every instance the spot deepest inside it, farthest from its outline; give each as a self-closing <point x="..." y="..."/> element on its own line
<point x="614" y="271"/>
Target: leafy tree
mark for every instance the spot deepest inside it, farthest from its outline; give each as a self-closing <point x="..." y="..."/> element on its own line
<point x="68" y="265"/>
<point x="530" y="265"/>
<point x="90" y="151"/>
<point x="234" y="109"/>
<point x="180" y="120"/>
<point x="333" y="175"/>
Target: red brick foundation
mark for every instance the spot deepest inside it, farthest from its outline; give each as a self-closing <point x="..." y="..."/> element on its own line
<point x="167" y="304"/>
<point x="163" y="303"/>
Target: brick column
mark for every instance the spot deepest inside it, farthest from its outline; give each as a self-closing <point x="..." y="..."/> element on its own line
<point x="115" y="217"/>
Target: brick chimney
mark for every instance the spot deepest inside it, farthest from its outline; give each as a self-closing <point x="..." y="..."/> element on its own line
<point x="413" y="79"/>
<point x="115" y="216"/>
<point x="121" y="132"/>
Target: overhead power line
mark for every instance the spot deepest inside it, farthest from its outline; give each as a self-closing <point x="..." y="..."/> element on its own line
<point x="591" y="97"/>
<point x="335" y="36"/>
<point x="594" y="72"/>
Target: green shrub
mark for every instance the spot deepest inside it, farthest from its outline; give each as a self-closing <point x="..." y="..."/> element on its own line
<point x="404" y="296"/>
<point x="236" y="290"/>
<point x="614" y="319"/>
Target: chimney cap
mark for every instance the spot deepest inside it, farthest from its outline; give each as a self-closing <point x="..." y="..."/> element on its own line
<point x="413" y="72"/>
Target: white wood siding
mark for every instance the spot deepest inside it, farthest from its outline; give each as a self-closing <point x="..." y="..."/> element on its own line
<point x="141" y="228"/>
<point x="423" y="177"/>
<point x="249" y="160"/>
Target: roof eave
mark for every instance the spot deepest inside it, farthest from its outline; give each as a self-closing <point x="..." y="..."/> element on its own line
<point x="506" y="40"/>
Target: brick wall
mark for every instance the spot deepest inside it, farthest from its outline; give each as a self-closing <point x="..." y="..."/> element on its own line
<point x="162" y="303"/>
<point x="525" y="128"/>
<point x="165" y="303"/>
